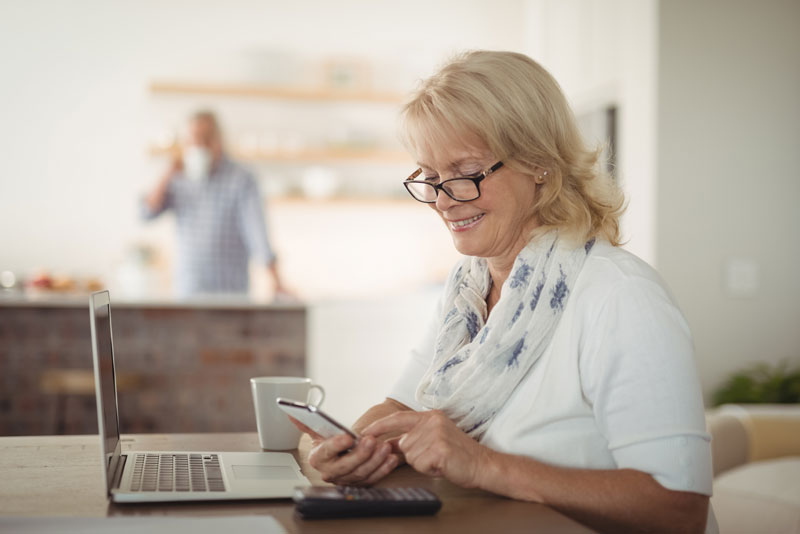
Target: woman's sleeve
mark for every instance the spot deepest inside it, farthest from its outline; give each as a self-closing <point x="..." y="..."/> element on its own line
<point x="405" y="388"/>
<point x="638" y="373"/>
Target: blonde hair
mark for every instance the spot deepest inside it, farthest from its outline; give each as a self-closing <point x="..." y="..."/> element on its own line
<point x="516" y="109"/>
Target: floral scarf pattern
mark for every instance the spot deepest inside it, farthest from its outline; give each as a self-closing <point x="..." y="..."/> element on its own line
<point x="477" y="363"/>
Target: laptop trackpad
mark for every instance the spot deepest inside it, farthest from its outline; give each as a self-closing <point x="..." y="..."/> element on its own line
<point x="264" y="472"/>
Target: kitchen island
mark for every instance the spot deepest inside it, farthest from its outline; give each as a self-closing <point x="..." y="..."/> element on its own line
<point x="182" y="366"/>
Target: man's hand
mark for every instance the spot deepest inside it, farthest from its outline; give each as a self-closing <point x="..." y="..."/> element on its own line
<point x="282" y="293"/>
<point x="175" y="164"/>
<point x="155" y="199"/>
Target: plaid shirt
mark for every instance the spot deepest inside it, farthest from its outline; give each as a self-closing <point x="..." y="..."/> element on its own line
<point x="221" y="225"/>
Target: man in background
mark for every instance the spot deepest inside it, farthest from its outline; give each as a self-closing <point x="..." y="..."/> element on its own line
<point x="218" y="213"/>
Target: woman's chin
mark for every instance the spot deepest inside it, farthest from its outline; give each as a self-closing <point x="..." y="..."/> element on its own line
<point x="467" y="247"/>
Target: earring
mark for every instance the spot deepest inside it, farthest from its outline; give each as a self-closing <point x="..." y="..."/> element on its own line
<point x="540" y="179"/>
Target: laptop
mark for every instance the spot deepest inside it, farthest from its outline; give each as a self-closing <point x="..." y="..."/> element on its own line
<point x="159" y="476"/>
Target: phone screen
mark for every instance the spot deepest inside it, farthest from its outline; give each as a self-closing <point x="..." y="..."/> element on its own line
<point x="314" y="418"/>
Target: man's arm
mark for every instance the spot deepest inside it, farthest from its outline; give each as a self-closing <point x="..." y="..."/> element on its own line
<point x="155" y="201"/>
<point x="280" y="288"/>
<point x="253" y="224"/>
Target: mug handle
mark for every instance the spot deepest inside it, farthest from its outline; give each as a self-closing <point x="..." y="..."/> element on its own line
<point x="321" y="394"/>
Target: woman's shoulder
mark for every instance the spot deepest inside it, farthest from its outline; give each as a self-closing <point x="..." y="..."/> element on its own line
<point x="615" y="263"/>
<point x="611" y="270"/>
<point x="623" y="309"/>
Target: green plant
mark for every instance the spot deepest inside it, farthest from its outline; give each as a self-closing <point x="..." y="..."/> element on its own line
<point x="761" y="384"/>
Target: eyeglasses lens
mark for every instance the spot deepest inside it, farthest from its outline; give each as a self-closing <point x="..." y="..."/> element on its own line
<point x="423" y="192"/>
<point x="462" y="189"/>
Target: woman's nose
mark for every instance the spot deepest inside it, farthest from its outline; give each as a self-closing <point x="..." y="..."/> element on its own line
<point x="443" y="201"/>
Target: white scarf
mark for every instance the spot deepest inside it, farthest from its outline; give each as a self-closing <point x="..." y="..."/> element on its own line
<point x="477" y="364"/>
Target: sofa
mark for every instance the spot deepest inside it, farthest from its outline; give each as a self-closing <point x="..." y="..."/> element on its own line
<point x="756" y="461"/>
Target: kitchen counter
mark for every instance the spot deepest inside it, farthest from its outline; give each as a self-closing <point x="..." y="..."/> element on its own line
<point x="53" y="299"/>
<point x="181" y="365"/>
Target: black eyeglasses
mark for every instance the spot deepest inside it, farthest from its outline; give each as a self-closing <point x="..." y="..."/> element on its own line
<point x="462" y="189"/>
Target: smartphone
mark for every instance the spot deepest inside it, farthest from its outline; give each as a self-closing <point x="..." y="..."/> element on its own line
<point x="314" y="418"/>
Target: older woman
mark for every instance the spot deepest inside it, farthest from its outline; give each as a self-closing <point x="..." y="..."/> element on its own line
<point x="557" y="368"/>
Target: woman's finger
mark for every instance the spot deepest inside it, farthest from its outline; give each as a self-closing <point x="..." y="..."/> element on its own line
<point x="422" y="442"/>
<point x="396" y="422"/>
<point x="427" y="461"/>
<point x="345" y="464"/>
<point x="328" y="450"/>
<point x="363" y="471"/>
<point x="418" y="437"/>
<point x="385" y="468"/>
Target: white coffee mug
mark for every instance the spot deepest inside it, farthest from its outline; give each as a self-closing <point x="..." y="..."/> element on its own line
<point x="275" y="431"/>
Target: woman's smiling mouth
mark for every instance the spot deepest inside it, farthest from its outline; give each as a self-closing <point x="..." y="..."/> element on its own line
<point x="465" y="224"/>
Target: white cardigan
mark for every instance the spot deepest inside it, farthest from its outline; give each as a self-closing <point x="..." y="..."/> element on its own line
<point x="616" y="388"/>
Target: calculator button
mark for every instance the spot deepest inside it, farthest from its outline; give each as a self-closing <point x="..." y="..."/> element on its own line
<point x="423" y="495"/>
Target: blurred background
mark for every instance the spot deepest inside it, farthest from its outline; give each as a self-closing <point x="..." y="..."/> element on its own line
<point x="697" y="102"/>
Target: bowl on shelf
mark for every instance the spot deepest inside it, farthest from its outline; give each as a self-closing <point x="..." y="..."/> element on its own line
<point x="320" y="182"/>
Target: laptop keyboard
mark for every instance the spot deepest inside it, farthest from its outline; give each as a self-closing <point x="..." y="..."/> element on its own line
<point x="177" y="472"/>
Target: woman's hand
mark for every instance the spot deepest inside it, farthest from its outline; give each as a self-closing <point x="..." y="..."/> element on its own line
<point x="341" y="461"/>
<point x="435" y="446"/>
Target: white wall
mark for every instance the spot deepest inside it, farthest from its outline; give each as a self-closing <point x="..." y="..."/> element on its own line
<point x="77" y="118"/>
<point x="360" y="348"/>
<point x="604" y="53"/>
<point x="707" y="94"/>
<point x="77" y="115"/>
<point x="729" y="175"/>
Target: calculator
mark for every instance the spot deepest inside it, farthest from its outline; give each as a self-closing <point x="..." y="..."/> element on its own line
<point x="328" y="502"/>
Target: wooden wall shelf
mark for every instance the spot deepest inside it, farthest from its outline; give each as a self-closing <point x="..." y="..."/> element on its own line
<point x="334" y="155"/>
<point x="342" y="202"/>
<point x="274" y="92"/>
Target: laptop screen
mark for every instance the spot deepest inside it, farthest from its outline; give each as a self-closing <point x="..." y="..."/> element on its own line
<point x="105" y="382"/>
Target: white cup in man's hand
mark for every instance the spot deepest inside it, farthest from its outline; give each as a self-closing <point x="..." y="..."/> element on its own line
<point x="275" y="431"/>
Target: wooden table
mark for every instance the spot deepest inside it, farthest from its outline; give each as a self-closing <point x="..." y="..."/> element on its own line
<point x="61" y="476"/>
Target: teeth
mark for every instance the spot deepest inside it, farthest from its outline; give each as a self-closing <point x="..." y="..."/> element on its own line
<point x="465" y="222"/>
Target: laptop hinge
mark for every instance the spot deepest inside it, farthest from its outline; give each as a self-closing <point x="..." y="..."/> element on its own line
<point x="115" y="482"/>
